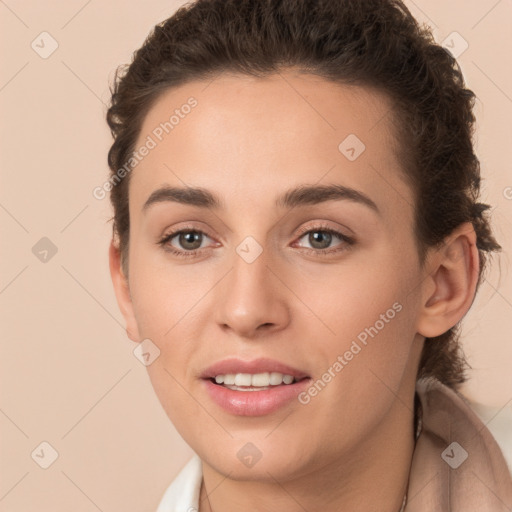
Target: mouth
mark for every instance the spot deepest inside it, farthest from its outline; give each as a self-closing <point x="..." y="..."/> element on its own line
<point x="253" y="388"/>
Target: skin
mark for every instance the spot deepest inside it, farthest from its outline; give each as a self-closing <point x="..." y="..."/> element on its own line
<point x="248" y="140"/>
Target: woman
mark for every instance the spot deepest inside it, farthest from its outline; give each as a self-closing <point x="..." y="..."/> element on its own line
<point x="297" y="235"/>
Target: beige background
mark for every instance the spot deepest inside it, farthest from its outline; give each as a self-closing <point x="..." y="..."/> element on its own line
<point x="68" y="374"/>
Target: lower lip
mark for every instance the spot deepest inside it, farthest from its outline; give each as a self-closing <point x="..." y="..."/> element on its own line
<point x="254" y="403"/>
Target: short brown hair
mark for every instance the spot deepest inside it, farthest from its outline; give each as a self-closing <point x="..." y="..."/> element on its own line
<point x="375" y="43"/>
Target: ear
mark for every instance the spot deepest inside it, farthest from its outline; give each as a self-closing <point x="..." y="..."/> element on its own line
<point x="122" y="291"/>
<point x="449" y="288"/>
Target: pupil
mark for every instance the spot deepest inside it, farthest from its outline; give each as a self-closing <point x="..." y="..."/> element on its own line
<point x="319" y="235"/>
<point x="189" y="238"/>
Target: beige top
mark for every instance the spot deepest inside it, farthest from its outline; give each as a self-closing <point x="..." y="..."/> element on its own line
<point x="457" y="466"/>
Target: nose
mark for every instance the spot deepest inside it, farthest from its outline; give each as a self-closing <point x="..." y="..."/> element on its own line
<point x="253" y="299"/>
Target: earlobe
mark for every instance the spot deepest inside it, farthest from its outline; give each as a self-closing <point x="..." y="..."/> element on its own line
<point x="449" y="289"/>
<point x="122" y="291"/>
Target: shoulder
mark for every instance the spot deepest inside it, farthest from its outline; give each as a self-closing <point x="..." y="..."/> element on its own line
<point x="457" y="463"/>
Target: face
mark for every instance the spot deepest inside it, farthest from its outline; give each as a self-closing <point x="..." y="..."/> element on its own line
<point x="322" y="286"/>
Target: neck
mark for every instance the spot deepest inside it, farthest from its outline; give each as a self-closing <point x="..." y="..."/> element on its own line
<point x="373" y="476"/>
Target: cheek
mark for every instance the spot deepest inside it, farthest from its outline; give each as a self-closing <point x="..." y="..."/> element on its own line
<point x="179" y="404"/>
<point x="165" y="297"/>
<point x="352" y="296"/>
<point x="370" y="310"/>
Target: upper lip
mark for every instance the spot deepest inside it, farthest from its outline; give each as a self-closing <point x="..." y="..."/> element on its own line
<point x="261" y="365"/>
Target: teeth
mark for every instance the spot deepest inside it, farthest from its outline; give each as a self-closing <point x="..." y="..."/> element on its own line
<point x="258" y="380"/>
<point x="229" y="378"/>
<point x="275" y="378"/>
<point x="287" y="379"/>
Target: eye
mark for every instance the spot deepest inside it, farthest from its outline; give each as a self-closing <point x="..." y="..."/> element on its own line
<point x="188" y="241"/>
<point x="321" y="237"/>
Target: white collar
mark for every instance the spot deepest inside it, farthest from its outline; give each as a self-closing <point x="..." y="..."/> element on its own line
<point x="183" y="493"/>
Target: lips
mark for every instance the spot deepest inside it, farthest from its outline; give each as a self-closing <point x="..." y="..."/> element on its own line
<point x="239" y="401"/>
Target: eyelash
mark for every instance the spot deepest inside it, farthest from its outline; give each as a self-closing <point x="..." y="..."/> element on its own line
<point x="348" y="241"/>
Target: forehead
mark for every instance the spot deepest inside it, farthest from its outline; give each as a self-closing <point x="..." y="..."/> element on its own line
<point x="249" y="137"/>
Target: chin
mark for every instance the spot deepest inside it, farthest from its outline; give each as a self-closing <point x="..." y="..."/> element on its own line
<point x="258" y="460"/>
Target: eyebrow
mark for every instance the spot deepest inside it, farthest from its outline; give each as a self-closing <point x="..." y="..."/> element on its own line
<point x="299" y="196"/>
